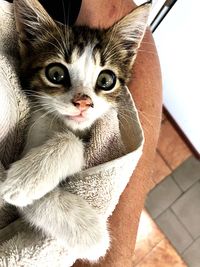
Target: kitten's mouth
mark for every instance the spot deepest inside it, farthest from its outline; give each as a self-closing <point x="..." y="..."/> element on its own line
<point x="77" y="118"/>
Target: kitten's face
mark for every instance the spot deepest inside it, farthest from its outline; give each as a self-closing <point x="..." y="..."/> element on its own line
<point x="76" y="73"/>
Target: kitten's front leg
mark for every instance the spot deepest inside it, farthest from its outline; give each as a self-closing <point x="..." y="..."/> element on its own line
<point x="72" y="221"/>
<point x="42" y="168"/>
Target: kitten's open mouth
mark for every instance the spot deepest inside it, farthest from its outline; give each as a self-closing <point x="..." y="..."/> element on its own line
<point x="77" y="118"/>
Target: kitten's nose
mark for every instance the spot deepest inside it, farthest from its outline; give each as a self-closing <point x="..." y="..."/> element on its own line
<point x="82" y="102"/>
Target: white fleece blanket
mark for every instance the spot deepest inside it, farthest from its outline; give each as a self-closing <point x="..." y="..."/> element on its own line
<point x="112" y="155"/>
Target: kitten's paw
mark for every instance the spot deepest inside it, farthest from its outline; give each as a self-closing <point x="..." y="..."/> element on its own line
<point x="96" y="242"/>
<point x="16" y="197"/>
<point x="89" y="236"/>
<point x="18" y="189"/>
<point x="72" y="221"/>
<point x="15" y="193"/>
<point x="85" y="231"/>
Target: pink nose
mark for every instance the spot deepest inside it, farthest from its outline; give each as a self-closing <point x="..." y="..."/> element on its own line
<point x="82" y="102"/>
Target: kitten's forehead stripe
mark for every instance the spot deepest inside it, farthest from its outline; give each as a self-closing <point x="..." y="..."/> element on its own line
<point x="98" y="54"/>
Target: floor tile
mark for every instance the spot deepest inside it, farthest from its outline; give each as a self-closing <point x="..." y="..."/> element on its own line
<point x="163" y="255"/>
<point x="147" y="238"/>
<point x="162" y="196"/>
<point x="174" y="230"/>
<point x="187" y="173"/>
<point x="172" y="148"/>
<point x="192" y="256"/>
<point x="187" y="209"/>
<point x="161" y="170"/>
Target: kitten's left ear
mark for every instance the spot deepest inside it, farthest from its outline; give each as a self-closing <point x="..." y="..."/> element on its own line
<point x="127" y="33"/>
<point x="32" y="21"/>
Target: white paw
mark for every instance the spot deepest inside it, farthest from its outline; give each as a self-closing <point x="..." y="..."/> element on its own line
<point x="16" y="192"/>
<point x="98" y="241"/>
<point x="89" y="238"/>
<point x="18" y="189"/>
<point x="85" y="231"/>
<point x="16" y="196"/>
<point x="72" y="221"/>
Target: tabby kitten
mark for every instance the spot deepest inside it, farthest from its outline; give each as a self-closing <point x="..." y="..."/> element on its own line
<point x="73" y="75"/>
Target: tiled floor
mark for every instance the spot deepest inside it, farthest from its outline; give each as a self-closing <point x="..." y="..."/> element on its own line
<point x="174" y="205"/>
<point x="152" y="247"/>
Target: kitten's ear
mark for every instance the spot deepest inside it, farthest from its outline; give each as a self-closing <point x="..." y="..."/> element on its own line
<point x="32" y="21"/>
<point x="127" y="33"/>
<point x="133" y="26"/>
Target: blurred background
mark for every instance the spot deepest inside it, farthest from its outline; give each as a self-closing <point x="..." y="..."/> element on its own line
<point x="169" y="230"/>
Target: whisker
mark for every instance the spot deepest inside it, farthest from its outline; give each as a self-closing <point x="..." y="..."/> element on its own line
<point x="41" y="117"/>
<point x="53" y="119"/>
<point x="61" y="50"/>
<point x="66" y="21"/>
<point x="127" y="116"/>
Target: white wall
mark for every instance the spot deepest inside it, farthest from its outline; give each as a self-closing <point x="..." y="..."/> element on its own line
<point x="178" y="42"/>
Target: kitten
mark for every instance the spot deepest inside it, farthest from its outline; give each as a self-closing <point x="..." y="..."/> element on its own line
<point x="72" y="75"/>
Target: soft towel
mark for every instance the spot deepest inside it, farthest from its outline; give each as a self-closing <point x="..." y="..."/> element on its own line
<point x="111" y="156"/>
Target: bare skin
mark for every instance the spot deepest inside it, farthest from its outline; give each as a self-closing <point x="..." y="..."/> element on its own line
<point x="145" y="88"/>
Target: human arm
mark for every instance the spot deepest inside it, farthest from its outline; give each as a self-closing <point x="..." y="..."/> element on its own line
<point x="145" y="88"/>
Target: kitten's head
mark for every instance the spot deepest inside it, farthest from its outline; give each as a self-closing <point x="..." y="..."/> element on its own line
<point x="76" y="73"/>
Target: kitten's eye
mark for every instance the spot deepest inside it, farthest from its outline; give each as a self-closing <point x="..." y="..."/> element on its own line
<point x="106" y="80"/>
<point x="57" y="74"/>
